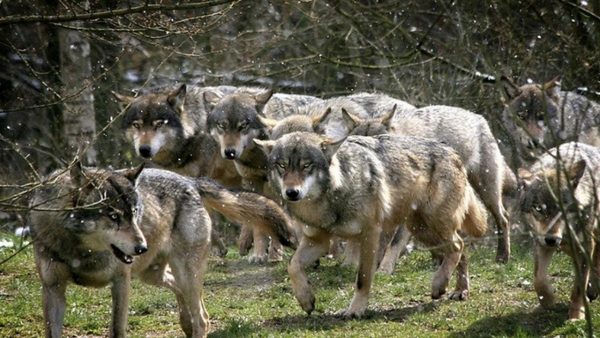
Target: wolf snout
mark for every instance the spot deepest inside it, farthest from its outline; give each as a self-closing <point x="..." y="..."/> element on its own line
<point x="552" y="240"/>
<point x="292" y="194"/>
<point x="230" y="154"/>
<point x="145" y="151"/>
<point x="140" y="249"/>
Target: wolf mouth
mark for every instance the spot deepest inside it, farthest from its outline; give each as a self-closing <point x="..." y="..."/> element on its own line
<point x="127" y="259"/>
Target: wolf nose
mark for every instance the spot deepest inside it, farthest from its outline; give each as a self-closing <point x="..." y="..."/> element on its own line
<point x="145" y="151"/>
<point x="230" y="153"/>
<point x="552" y="241"/>
<point x="140" y="249"/>
<point x="292" y="194"/>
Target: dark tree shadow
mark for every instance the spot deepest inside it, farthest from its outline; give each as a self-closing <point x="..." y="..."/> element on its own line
<point x="320" y="321"/>
<point x="539" y="322"/>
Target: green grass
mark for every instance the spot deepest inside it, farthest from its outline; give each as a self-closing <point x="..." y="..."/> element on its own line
<point x="246" y="300"/>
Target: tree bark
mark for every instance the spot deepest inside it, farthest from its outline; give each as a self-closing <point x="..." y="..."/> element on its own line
<point x="78" y="107"/>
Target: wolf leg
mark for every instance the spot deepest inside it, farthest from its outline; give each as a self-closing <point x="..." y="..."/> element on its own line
<point x="461" y="292"/>
<point x="259" y="254"/>
<point x="366" y="271"/>
<point x="308" y="252"/>
<point x="54" y="304"/>
<point x="188" y="275"/>
<point x="120" y="303"/>
<point x="488" y="185"/>
<point x="593" y="286"/>
<point x="394" y="250"/>
<point x="453" y="253"/>
<point x="576" y="308"/>
<point x="54" y="285"/>
<point x="351" y="253"/>
<point x="541" y="284"/>
<point x="245" y="240"/>
<point x="275" y="251"/>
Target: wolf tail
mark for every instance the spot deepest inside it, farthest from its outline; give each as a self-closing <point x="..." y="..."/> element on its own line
<point x="248" y="208"/>
<point x="475" y="223"/>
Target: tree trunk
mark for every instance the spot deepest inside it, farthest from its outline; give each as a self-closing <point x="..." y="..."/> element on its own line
<point x="78" y="107"/>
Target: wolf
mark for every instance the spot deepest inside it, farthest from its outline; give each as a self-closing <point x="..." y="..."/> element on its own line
<point x="360" y="187"/>
<point x="378" y="104"/>
<point x="323" y="117"/>
<point x="96" y="227"/>
<point x="470" y="136"/>
<point x="233" y="122"/>
<point x="559" y="199"/>
<point x="542" y="116"/>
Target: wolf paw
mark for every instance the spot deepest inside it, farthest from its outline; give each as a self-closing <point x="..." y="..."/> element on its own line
<point x="275" y="256"/>
<point x="576" y="314"/>
<point x="308" y="302"/>
<point x="459" y="295"/>
<point x="254" y="259"/>
<point x="347" y="314"/>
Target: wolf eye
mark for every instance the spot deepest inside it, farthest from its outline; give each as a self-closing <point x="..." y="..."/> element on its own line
<point x="243" y="125"/>
<point x="114" y="216"/>
<point x="281" y="165"/>
<point x="307" y="165"/>
<point x="159" y="124"/>
<point x="136" y="125"/>
<point x="538" y="208"/>
<point x="221" y="125"/>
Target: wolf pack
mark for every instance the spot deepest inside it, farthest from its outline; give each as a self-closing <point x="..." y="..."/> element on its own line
<point x="364" y="173"/>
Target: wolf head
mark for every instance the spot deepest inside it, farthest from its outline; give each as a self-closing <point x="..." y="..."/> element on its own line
<point x="154" y="122"/>
<point x="233" y="120"/>
<point x="533" y="110"/>
<point x="299" y="164"/>
<point x="545" y="194"/>
<point x="371" y="126"/>
<point x="296" y="123"/>
<point x="107" y="211"/>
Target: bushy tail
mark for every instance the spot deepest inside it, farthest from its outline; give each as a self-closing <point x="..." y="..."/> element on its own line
<point x="475" y="223"/>
<point x="248" y="208"/>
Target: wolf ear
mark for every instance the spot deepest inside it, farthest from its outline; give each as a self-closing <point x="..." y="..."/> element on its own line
<point x="510" y="88"/>
<point x="386" y="120"/>
<point x="211" y="98"/>
<point x="576" y="172"/>
<point x="350" y="121"/>
<point x="525" y="177"/>
<point x="268" y="123"/>
<point x="553" y="88"/>
<point x="318" y="122"/>
<point x="176" y="98"/>
<point x="330" y="147"/>
<point x="261" y="99"/>
<point x="133" y="173"/>
<point x="83" y="185"/>
<point x="265" y="145"/>
<point x="123" y="98"/>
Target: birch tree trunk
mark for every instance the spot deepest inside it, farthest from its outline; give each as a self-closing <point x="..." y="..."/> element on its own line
<point x="78" y="108"/>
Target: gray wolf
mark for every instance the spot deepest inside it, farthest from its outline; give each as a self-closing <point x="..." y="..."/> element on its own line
<point x="324" y="117"/>
<point x="378" y="104"/>
<point x="362" y="187"/>
<point x="559" y="200"/>
<point x="470" y="136"/>
<point x="542" y="116"/>
<point x="96" y="227"/>
<point x="233" y="122"/>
